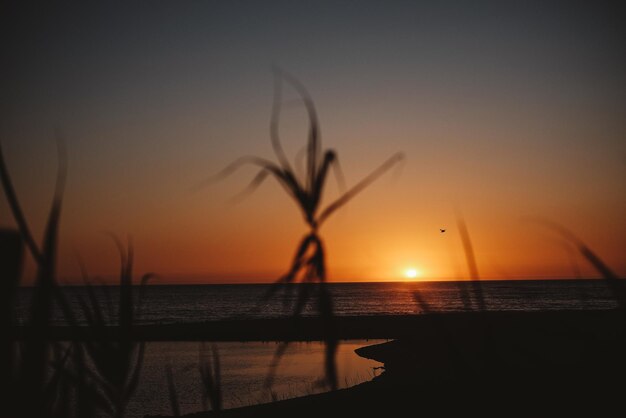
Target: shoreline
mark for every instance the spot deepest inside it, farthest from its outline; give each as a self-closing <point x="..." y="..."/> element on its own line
<point x="492" y="364"/>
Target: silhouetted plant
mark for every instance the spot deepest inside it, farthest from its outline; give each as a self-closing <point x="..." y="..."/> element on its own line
<point x="211" y="375"/>
<point x="171" y="388"/>
<point x="469" y="300"/>
<point x="468" y="249"/>
<point x="11" y="256"/>
<point x="64" y="380"/>
<point x="29" y="393"/>
<point x="475" y="299"/>
<point x="116" y="364"/>
<point x="615" y="284"/>
<point x="309" y="263"/>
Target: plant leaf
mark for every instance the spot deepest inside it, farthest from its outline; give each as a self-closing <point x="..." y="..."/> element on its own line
<point x="471" y="262"/>
<point x="373" y="176"/>
<point x="18" y="213"/>
<point x="314" y="144"/>
<point x="275" y="122"/>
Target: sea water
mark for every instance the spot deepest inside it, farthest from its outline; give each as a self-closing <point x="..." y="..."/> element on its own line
<point x="244" y="369"/>
<point x="170" y="304"/>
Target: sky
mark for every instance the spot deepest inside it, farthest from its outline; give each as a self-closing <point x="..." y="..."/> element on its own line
<point x="506" y="111"/>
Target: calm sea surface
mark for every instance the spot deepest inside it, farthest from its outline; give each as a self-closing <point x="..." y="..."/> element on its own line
<point x="197" y="303"/>
<point x="244" y="369"/>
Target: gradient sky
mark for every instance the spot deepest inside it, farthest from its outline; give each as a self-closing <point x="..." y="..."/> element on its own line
<point x="506" y="110"/>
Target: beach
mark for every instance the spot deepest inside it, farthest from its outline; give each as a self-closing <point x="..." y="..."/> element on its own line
<point x="540" y="364"/>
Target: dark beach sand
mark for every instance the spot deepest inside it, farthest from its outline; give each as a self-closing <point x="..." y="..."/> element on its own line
<point x="497" y="364"/>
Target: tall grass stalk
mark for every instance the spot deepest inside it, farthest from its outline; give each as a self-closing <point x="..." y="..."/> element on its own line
<point x="615" y="284"/>
<point x="211" y="375"/>
<point x="29" y="391"/>
<point x="171" y="388"/>
<point x="308" y="266"/>
<point x="11" y="260"/>
<point x="77" y="379"/>
<point x="115" y="365"/>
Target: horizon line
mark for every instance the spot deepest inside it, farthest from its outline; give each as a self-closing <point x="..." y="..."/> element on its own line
<point x="394" y="281"/>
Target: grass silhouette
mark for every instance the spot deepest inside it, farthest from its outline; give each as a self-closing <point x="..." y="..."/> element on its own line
<point x="615" y="284"/>
<point x="114" y="365"/>
<point x="89" y="375"/>
<point x="484" y="364"/>
<point x="210" y="373"/>
<point x="171" y="388"/>
<point x="309" y="263"/>
<point x="11" y="259"/>
<point x="210" y="377"/>
<point x="30" y="391"/>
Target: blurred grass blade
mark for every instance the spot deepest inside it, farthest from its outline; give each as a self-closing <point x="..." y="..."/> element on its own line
<point x="421" y="302"/>
<point x="339" y="177"/>
<point x="171" y="387"/>
<point x="134" y="374"/>
<point x="320" y="179"/>
<point x="471" y="262"/>
<point x="211" y="374"/>
<point x="331" y="340"/>
<point x="16" y="210"/>
<point x="11" y="264"/>
<point x="37" y="349"/>
<point x="309" y="263"/>
<point x="145" y="279"/>
<point x="115" y="366"/>
<point x="254" y="184"/>
<point x="278" y="354"/>
<point x="313" y="146"/>
<point x="296" y="266"/>
<point x="615" y="284"/>
<point x="11" y="261"/>
<point x="275" y="122"/>
<point x="360" y="186"/>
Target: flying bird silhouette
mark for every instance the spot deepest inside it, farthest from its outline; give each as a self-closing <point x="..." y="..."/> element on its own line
<point x="442" y="230"/>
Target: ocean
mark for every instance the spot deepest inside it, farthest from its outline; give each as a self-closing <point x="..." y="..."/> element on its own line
<point x="168" y="304"/>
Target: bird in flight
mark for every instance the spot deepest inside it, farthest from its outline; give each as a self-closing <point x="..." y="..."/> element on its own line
<point x="442" y="230"/>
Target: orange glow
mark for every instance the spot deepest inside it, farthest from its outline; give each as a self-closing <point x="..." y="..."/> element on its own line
<point x="200" y="238"/>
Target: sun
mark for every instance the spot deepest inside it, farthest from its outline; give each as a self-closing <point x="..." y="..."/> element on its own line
<point x="411" y="273"/>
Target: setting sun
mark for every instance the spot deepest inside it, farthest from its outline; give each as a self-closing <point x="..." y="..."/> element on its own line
<point x="411" y="273"/>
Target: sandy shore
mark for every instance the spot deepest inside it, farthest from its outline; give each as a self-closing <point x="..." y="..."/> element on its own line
<point x="496" y="364"/>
